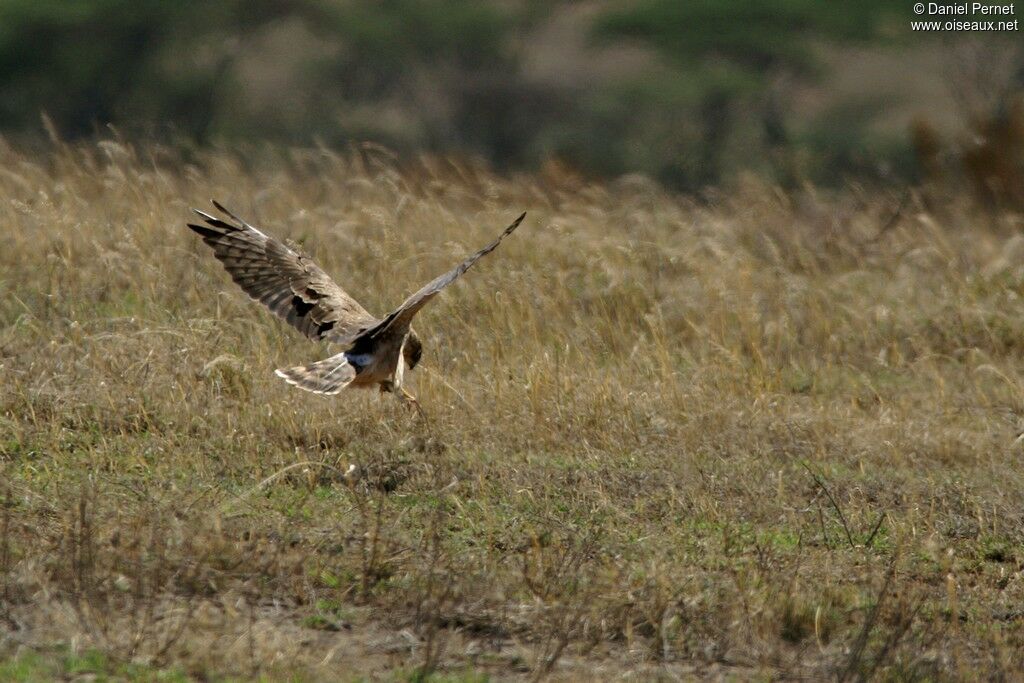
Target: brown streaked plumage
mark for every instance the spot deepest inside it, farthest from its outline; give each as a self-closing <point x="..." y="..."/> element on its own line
<point x="377" y="350"/>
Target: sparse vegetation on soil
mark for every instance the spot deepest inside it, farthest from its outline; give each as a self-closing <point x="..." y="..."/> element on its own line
<point x="759" y="436"/>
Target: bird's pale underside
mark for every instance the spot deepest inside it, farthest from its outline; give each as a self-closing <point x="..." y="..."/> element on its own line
<point x="377" y="351"/>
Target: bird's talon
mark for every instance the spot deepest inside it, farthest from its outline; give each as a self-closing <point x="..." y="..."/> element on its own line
<point x="410" y="401"/>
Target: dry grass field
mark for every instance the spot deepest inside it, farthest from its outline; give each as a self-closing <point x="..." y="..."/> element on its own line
<point x="759" y="436"/>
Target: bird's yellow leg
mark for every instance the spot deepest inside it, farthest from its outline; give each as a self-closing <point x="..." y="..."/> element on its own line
<point x="410" y="400"/>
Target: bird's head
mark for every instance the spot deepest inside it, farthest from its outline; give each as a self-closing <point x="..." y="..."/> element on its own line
<point x="413" y="349"/>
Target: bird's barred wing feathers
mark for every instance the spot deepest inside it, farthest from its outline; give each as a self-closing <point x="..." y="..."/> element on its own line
<point x="401" y="317"/>
<point x="286" y="281"/>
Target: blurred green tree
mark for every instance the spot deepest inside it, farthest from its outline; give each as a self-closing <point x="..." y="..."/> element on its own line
<point x="136" y="62"/>
<point x="735" y="57"/>
<point x="708" y="96"/>
<point x="95" y="61"/>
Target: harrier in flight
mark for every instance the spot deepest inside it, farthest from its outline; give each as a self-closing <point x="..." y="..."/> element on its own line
<point x="377" y="350"/>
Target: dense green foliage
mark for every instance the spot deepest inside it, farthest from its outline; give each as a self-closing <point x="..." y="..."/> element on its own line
<point x="706" y="92"/>
<point x="188" y="63"/>
<point x="747" y="33"/>
<point x="732" y="56"/>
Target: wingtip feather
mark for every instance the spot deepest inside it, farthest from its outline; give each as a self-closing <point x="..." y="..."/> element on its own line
<point x="220" y="207"/>
<point x="515" y="223"/>
<point x="203" y="231"/>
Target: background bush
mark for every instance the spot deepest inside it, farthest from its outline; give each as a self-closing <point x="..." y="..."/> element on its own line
<point x="690" y="93"/>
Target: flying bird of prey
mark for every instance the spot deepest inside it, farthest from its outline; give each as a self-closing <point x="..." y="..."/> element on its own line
<point x="377" y="350"/>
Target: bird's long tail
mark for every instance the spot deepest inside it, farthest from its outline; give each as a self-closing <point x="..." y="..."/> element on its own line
<point x="328" y="376"/>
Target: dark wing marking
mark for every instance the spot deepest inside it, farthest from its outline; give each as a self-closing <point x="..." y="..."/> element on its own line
<point x="401" y="317"/>
<point x="289" y="283"/>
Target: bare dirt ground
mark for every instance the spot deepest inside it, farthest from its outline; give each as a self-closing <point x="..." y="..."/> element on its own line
<point x="764" y="436"/>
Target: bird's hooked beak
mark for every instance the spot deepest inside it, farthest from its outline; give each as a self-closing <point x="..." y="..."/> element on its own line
<point x="413" y="350"/>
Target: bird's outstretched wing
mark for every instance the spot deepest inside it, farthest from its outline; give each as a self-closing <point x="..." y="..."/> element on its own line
<point x="289" y="283"/>
<point x="400" y="318"/>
